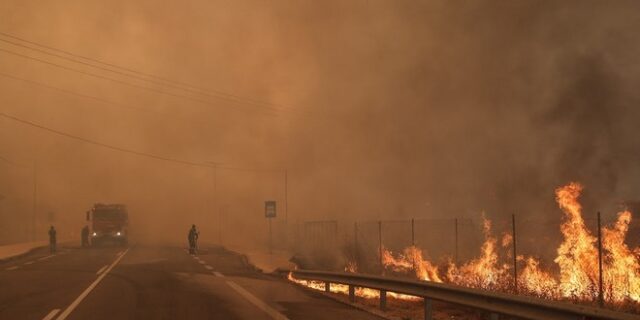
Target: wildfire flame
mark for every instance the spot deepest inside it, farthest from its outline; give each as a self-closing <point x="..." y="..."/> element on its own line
<point x="484" y="271"/>
<point x="577" y="255"/>
<point x="411" y="260"/>
<point x="577" y="262"/>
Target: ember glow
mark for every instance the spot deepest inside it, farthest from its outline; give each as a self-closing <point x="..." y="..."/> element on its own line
<point x="576" y="276"/>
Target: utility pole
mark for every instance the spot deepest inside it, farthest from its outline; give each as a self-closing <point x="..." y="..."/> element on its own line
<point x="286" y="197"/>
<point x="216" y="212"/>
<point x="270" y="237"/>
<point x="30" y="224"/>
<point x="35" y="201"/>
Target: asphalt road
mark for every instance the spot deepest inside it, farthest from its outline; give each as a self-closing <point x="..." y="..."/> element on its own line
<point x="145" y="282"/>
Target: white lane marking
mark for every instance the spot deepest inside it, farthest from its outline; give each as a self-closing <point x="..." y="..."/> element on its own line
<point x="47" y="257"/>
<point x="51" y="314"/>
<point x="102" y="269"/>
<point x="201" y="262"/>
<point x="257" y="302"/>
<point x="29" y="262"/>
<point x="86" y="292"/>
<point x="218" y="274"/>
<point x="12" y="268"/>
<point x="208" y="267"/>
<point x="119" y="253"/>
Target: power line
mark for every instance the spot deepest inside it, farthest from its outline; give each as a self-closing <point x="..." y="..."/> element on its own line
<point x="3" y="159"/>
<point x="200" y="122"/>
<point x="8" y="161"/>
<point x="125" y="150"/>
<point x="100" y="144"/>
<point x="124" y="82"/>
<point x="98" y="99"/>
<point x="82" y="95"/>
<point x="139" y="75"/>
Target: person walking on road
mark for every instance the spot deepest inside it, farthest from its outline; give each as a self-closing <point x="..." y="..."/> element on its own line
<point x="85" y="236"/>
<point x="193" y="239"/>
<point x="52" y="239"/>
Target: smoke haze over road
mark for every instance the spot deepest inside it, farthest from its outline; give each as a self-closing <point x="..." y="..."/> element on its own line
<point x="376" y="109"/>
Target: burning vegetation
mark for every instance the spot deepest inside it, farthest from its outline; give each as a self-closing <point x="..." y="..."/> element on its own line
<point x="574" y="276"/>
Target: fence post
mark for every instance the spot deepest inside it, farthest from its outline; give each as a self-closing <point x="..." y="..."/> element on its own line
<point x="380" y="246"/>
<point x="515" y="259"/>
<point x="352" y="293"/>
<point x="355" y="242"/>
<point x="336" y="243"/>
<point x="600" y="289"/>
<point x="428" y="309"/>
<point x="413" y="244"/>
<point x="455" y="223"/>
<point x="413" y="233"/>
<point x="327" y="286"/>
<point x="383" y="300"/>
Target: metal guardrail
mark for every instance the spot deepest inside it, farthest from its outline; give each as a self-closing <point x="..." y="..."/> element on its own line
<point x="495" y="303"/>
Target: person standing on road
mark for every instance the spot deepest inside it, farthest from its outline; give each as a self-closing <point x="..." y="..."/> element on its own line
<point x="52" y="239"/>
<point x="193" y="239"/>
<point x="85" y="236"/>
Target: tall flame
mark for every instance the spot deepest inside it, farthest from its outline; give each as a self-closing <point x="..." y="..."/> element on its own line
<point x="577" y="255"/>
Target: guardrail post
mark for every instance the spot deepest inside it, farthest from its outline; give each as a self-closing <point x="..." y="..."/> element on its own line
<point x="352" y="293"/>
<point x="327" y="286"/>
<point x="383" y="300"/>
<point x="428" y="309"/>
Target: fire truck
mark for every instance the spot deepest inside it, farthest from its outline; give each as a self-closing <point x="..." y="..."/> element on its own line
<point x="108" y="223"/>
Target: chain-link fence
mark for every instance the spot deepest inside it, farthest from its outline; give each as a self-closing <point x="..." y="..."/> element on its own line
<point x="335" y="243"/>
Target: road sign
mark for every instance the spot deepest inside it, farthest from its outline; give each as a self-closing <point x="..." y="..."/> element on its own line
<point x="270" y="209"/>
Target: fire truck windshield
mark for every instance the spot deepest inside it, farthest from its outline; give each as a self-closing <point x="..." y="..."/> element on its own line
<point x="108" y="215"/>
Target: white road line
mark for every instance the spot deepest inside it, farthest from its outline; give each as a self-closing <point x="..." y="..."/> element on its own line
<point x="257" y="302"/>
<point x="51" y="314"/>
<point x="86" y="292"/>
<point x="12" y="268"/>
<point x="47" y="257"/>
<point x="218" y="274"/>
<point x="102" y="269"/>
<point x="208" y="267"/>
<point x="201" y="262"/>
<point x="29" y="262"/>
